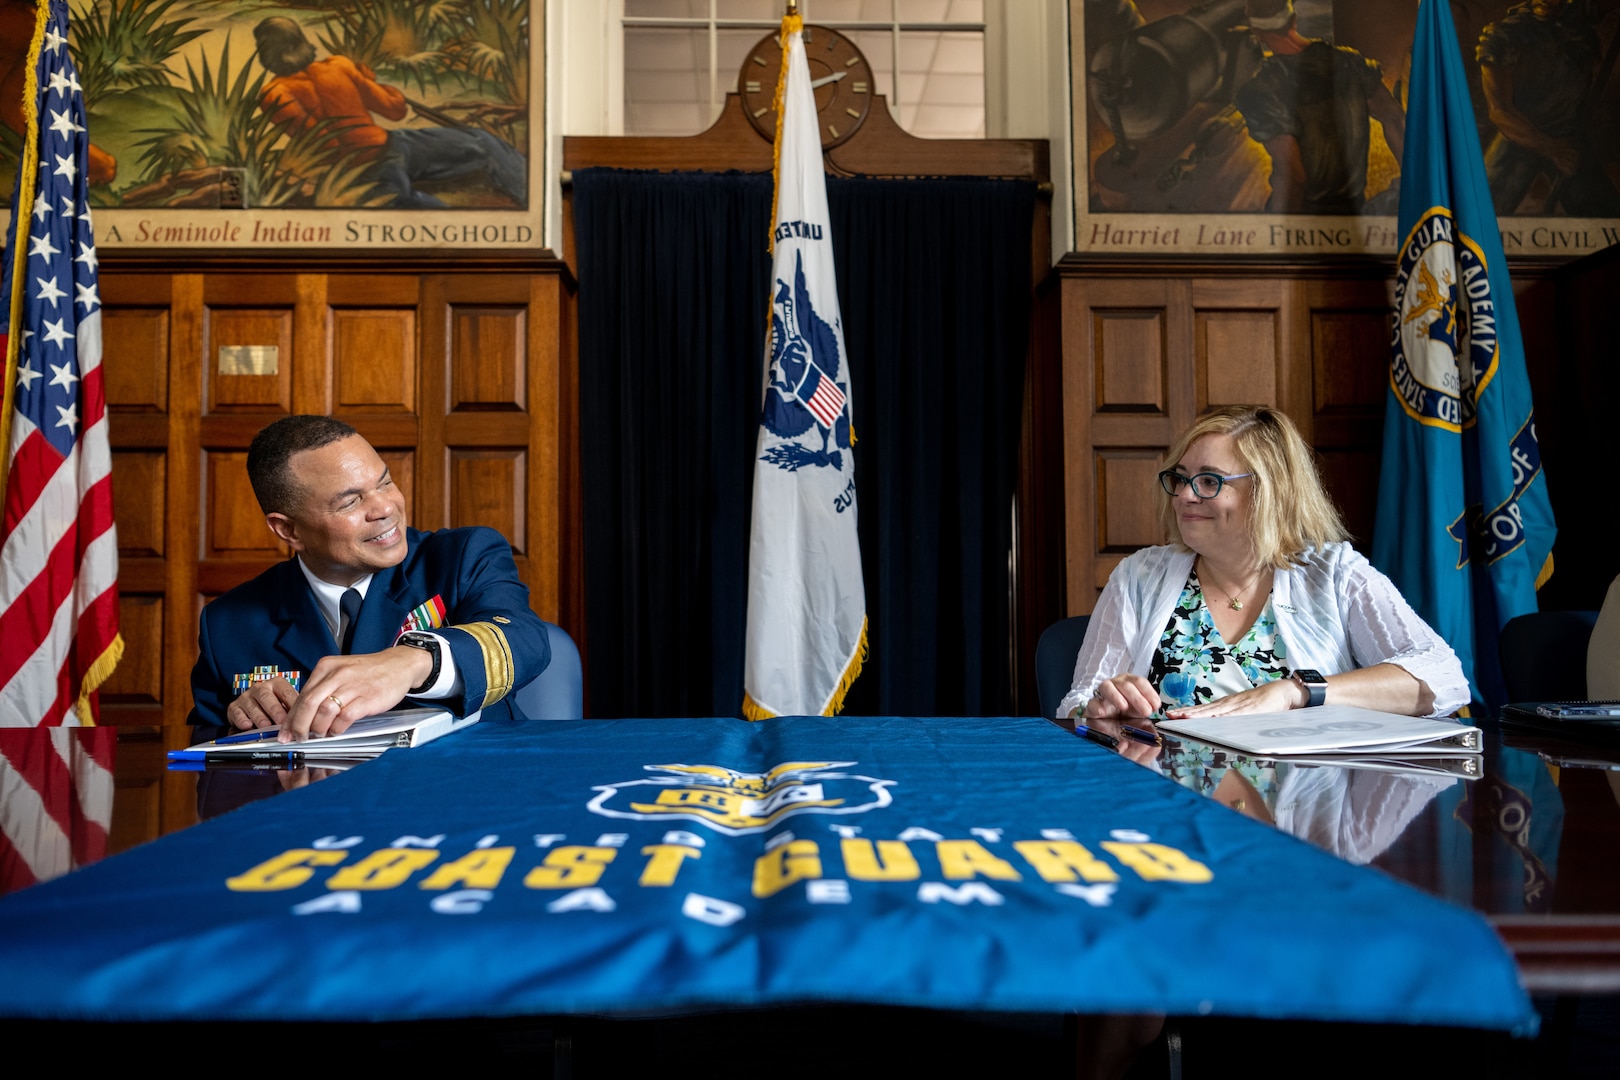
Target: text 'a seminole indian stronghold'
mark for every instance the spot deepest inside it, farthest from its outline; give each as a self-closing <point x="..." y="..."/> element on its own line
<point x="146" y="231"/>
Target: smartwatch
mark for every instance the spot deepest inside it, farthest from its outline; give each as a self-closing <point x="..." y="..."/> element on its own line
<point x="1313" y="682"/>
<point x="415" y="639"/>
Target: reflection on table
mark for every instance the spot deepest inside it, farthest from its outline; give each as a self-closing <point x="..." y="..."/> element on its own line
<point x="1527" y="837"/>
<point x="56" y="801"/>
<point x="222" y="788"/>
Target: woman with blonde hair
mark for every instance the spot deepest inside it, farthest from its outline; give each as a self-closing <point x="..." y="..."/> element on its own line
<point x="1258" y="604"/>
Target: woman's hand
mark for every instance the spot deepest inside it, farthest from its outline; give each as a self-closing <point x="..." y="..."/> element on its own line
<point x="1385" y="687"/>
<point x="1123" y="696"/>
<point x="1279" y="695"/>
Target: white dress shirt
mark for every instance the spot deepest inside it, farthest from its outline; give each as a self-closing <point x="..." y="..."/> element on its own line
<point x="329" y="600"/>
<point x="1335" y="613"/>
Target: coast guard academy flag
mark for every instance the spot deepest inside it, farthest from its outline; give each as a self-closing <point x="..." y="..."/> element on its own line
<point x="1464" y="526"/>
<point x="806" y="601"/>
<point x="58" y="552"/>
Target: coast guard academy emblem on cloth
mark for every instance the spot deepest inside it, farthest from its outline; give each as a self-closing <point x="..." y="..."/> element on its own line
<point x="1445" y="350"/>
<point x="804" y="392"/>
<point x="738" y="803"/>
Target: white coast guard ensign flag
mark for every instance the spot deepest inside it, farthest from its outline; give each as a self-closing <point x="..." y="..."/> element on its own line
<point x="806" y="600"/>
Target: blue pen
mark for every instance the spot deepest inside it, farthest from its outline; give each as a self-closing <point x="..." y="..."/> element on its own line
<point x="1101" y="738"/>
<point x="1142" y="735"/>
<point x="249" y="736"/>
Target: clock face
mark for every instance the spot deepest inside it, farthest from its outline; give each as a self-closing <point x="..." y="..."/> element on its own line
<point x="840" y="78"/>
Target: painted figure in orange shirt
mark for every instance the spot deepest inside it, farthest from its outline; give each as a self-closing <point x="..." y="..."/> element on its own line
<point x="307" y="91"/>
<point x="16" y="37"/>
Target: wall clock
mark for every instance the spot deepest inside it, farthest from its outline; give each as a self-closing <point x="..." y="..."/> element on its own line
<point x="840" y="78"/>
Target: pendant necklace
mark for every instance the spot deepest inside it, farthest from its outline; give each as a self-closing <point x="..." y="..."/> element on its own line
<point x="1235" y="600"/>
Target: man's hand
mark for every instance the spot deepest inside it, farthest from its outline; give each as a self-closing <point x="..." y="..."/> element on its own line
<point x="264" y="704"/>
<point x="343" y="689"/>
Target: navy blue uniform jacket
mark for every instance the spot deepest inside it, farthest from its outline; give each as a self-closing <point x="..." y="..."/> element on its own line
<point x="499" y="644"/>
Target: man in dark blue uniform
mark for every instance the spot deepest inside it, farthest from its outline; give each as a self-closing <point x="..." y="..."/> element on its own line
<point x="368" y="612"/>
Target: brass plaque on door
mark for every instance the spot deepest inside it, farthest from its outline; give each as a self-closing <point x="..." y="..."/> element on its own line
<point x="249" y="359"/>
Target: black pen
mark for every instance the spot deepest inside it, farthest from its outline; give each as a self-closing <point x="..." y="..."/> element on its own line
<point x="278" y="757"/>
<point x="1101" y="738"/>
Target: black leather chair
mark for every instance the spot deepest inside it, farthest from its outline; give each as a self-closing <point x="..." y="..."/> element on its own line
<point x="1055" y="654"/>
<point x="1544" y="655"/>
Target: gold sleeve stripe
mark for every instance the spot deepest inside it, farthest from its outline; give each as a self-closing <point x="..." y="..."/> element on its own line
<point x="499" y="671"/>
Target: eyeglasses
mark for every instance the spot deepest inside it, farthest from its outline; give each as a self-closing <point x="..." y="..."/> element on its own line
<point x="1205" y="485"/>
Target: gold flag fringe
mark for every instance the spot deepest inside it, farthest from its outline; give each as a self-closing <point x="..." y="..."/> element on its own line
<point x="791" y="24"/>
<point x="21" y="200"/>
<point x="753" y="710"/>
<point x="100" y="671"/>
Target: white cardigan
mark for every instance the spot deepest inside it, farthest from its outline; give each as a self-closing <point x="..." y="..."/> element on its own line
<point x="1334" y="612"/>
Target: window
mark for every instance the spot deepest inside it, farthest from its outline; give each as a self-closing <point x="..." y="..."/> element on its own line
<point x="681" y="58"/>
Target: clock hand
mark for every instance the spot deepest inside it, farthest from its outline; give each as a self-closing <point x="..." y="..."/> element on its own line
<point x="825" y="79"/>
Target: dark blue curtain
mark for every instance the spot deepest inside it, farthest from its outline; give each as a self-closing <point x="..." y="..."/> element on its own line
<point x="934" y="286"/>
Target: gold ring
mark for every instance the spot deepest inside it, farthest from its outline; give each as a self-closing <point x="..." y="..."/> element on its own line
<point x="333" y="698"/>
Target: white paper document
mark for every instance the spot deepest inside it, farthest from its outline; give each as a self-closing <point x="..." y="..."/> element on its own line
<point x="1330" y="729"/>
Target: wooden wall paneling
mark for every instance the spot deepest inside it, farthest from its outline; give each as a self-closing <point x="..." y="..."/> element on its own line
<point x="1127" y="388"/>
<point x="140" y="487"/>
<point x="135" y="354"/>
<point x="432" y="506"/>
<point x="489" y="357"/>
<point x="1243" y="345"/>
<point x="138" y="678"/>
<point x="234" y="524"/>
<point x="135" y="361"/>
<point x="371" y="333"/>
<point x="313" y="357"/>
<point x="373" y="360"/>
<point x="488" y="414"/>
<point x="402" y="467"/>
<point x="553" y="458"/>
<point x="184" y="538"/>
<point x="253" y="327"/>
<point x="487" y="487"/>
<point x="1349" y="334"/>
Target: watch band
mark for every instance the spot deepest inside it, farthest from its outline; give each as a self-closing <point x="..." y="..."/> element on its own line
<point x="1315" y="685"/>
<point x="415" y="639"/>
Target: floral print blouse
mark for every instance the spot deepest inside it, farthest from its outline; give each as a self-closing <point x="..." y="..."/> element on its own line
<point x="1194" y="665"/>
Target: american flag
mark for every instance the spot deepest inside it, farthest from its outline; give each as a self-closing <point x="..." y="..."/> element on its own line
<point x="58" y="551"/>
<point x="821" y="396"/>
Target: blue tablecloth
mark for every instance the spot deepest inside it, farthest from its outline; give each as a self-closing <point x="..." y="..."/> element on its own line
<point x="619" y="866"/>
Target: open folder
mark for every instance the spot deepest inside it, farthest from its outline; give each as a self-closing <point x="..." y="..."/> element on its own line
<point x="1330" y="729"/>
<point x="363" y="738"/>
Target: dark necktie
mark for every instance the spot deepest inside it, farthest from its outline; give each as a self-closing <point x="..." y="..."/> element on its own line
<point x="350" y="607"/>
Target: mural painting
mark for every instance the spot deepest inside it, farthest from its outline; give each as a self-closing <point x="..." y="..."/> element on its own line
<point x="332" y="125"/>
<point x="1276" y="126"/>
